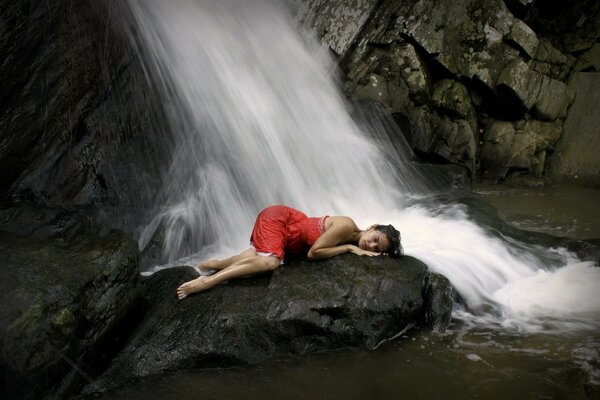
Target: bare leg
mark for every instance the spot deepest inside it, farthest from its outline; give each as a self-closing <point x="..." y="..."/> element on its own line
<point x="222" y="264"/>
<point x="245" y="267"/>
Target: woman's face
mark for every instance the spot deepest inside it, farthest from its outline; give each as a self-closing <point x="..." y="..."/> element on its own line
<point x="374" y="240"/>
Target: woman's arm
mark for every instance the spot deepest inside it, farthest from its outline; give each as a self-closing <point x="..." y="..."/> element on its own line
<point x="335" y="241"/>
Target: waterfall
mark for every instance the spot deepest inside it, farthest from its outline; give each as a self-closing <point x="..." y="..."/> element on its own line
<point x="258" y="119"/>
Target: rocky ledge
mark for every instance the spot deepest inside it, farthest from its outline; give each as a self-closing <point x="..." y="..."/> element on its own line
<point x="300" y="308"/>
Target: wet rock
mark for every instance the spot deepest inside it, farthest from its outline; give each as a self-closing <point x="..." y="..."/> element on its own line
<point x="466" y="38"/>
<point x="454" y="98"/>
<point x="76" y="111"/>
<point x="550" y="61"/>
<point x="530" y="90"/>
<point x="47" y="222"/>
<point x="439" y="296"/>
<point x="376" y="88"/>
<point x="521" y="147"/>
<point x="511" y="66"/>
<point x="301" y="308"/>
<point x="443" y="136"/>
<point x="524" y="38"/>
<point x="406" y="64"/>
<point x="65" y="305"/>
<point x="590" y="60"/>
<point x="396" y="77"/>
<point x="576" y="156"/>
<point x="336" y="22"/>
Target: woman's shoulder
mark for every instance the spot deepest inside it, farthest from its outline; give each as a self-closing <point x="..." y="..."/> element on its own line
<point x="340" y="221"/>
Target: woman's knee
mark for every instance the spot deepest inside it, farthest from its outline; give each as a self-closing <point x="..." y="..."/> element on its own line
<point x="248" y="253"/>
<point x="271" y="263"/>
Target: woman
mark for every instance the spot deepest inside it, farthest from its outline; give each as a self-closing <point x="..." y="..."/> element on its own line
<point x="281" y="231"/>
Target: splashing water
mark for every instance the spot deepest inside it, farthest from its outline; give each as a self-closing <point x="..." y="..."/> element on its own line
<point x="502" y="282"/>
<point x="259" y="120"/>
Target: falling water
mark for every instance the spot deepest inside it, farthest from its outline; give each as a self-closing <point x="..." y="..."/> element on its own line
<point x="259" y="120"/>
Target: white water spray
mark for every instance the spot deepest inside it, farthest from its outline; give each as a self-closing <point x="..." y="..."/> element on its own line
<point x="259" y="120"/>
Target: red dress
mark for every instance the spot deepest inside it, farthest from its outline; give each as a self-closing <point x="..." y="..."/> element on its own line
<point x="282" y="231"/>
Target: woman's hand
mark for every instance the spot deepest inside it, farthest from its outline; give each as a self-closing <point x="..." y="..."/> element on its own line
<point x="360" y="252"/>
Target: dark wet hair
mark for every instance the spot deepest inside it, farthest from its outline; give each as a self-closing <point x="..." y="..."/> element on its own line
<point x="393" y="235"/>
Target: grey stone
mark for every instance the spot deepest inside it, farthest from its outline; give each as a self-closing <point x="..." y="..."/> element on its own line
<point x="592" y="56"/>
<point x="496" y="148"/>
<point x="575" y="158"/>
<point x="547" y="97"/>
<point x="522" y="146"/>
<point x="454" y="98"/>
<point x="406" y="64"/>
<point x="553" y="100"/>
<point x="546" y="134"/>
<point x="440" y="135"/>
<point x="517" y="83"/>
<point x="552" y="62"/>
<point x="465" y="37"/>
<point x="583" y="65"/>
<point x="396" y="78"/>
<point x="523" y="37"/>
<point x="547" y="53"/>
<point x="376" y="89"/>
<point x="336" y="22"/>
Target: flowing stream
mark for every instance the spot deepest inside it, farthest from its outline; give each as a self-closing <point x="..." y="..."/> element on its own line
<point x="259" y="120"/>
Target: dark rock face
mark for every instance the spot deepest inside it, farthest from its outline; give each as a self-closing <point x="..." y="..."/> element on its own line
<point x="302" y="307"/>
<point x="575" y="158"/>
<point x="458" y="68"/>
<point x="77" y="114"/>
<point x="65" y="307"/>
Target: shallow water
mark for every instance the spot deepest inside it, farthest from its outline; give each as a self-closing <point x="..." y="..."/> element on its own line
<point x="561" y="210"/>
<point x="462" y="363"/>
<point x="475" y="358"/>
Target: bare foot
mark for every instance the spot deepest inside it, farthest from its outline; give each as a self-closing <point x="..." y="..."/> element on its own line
<point x="197" y="285"/>
<point x="209" y="264"/>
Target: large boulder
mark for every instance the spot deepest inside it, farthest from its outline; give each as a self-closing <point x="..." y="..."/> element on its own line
<point x="529" y="90"/>
<point x="576" y="156"/>
<point x="439" y="136"/>
<point x="396" y="77"/>
<point x="302" y="307"/>
<point x="453" y="98"/>
<point x="65" y="303"/>
<point x="336" y="22"/>
<point x="550" y="61"/>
